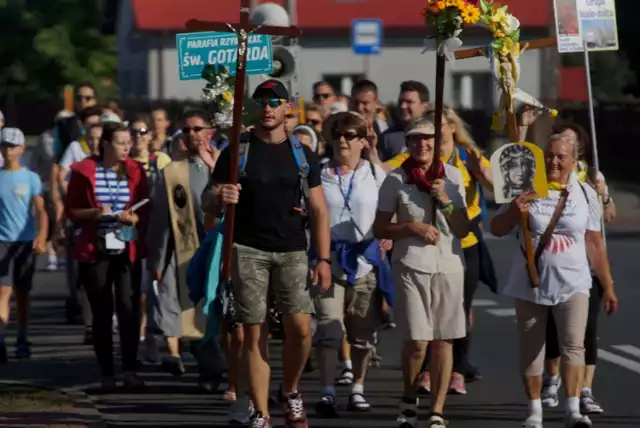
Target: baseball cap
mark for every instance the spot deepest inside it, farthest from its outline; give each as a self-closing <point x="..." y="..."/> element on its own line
<point x="338" y="107"/>
<point x="271" y="88"/>
<point x="12" y="136"/>
<point x="422" y="127"/>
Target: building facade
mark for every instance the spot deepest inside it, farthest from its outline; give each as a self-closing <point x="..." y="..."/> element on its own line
<point x="148" y="63"/>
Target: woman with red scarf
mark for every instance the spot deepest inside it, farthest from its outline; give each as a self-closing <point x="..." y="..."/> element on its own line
<point x="102" y="190"/>
<point x="427" y="263"/>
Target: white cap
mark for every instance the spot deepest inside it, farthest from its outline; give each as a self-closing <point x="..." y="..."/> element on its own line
<point x="111" y="117"/>
<point x="338" y="107"/>
<point x="12" y="136"/>
<point x="307" y="130"/>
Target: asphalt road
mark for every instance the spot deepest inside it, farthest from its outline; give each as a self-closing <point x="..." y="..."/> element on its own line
<point x="497" y="401"/>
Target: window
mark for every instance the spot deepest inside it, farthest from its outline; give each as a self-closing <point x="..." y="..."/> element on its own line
<point x="473" y="90"/>
<point x="342" y="83"/>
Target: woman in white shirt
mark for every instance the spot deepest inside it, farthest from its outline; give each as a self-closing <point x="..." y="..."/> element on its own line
<point x="428" y="265"/>
<point x="562" y="260"/>
<point x="353" y="304"/>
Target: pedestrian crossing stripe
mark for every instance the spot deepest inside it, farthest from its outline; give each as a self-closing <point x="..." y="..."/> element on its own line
<point x="621" y="361"/>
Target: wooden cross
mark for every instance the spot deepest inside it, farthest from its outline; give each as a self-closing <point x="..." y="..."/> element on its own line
<point x="512" y="129"/>
<point x="242" y="30"/>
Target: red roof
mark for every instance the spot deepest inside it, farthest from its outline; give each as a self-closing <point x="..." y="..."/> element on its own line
<point x="315" y="14"/>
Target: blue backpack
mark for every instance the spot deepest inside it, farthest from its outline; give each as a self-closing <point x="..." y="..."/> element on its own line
<point x="483" y="203"/>
<point x="297" y="151"/>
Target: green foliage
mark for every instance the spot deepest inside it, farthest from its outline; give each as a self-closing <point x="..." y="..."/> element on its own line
<point x="47" y="44"/>
<point x="611" y="74"/>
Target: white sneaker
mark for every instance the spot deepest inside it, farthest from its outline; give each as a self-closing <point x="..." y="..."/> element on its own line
<point x="532" y="422"/>
<point x="550" y="390"/>
<point x="576" y="420"/>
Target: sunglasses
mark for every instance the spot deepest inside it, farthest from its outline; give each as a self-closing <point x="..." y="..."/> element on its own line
<point x="84" y="97"/>
<point x="141" y="131"/>
<point x="313" y="122"/>
<point x="323" y="96"/>
<point x="348" y="136"/>
<point x="291" y="116"/>
<point x="196" y="129"/>
<point x="271" y="102"/>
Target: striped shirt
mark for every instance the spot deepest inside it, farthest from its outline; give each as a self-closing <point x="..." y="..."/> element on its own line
<point x="111" y="191"/>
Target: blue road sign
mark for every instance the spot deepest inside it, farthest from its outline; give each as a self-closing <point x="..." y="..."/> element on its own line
<point x="195" y="50"/>
<point x="366" y="36"/>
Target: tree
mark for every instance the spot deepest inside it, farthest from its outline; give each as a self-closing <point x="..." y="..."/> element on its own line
<point x="611" y="73"/>
<point x="47" y="44"/>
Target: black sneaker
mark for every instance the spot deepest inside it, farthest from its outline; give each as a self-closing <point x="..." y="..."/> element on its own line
<point x="174" y="366"/>
<point x="3" y="354"/>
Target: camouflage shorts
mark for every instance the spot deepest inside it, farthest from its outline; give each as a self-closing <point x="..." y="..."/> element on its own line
<point x="254" y="271"/>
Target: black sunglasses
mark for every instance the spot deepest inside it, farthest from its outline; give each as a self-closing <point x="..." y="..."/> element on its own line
<point x="187" y="130"/>
<point x="348" y="136"/>
<point x="324" y="96"/>
<point x="141" y="131"/>
<point x="313" y="122"/>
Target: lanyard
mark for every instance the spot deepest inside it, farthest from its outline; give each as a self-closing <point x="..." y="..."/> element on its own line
<point x="346" y="196"/>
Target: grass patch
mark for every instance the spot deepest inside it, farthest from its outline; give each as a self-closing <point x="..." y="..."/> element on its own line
<point x="21" y="398"/>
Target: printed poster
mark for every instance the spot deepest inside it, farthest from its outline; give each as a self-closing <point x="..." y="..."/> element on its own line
<point x="590" y="21"/>
<point x="517" y="168"/>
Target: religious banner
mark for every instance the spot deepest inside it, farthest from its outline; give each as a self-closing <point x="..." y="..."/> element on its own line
<point x="586" y="21"/>
<point x="567" y="26"/>
<point x="517" y="168"/>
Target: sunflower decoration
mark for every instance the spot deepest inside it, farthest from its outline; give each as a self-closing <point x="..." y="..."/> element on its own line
<point x="219" y="92"/>
<point x="449" y="17"/>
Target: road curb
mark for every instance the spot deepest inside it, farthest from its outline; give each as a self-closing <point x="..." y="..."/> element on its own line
<point x="81" y="402"/>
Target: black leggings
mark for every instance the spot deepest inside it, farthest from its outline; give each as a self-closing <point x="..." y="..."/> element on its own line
<point x="100" y="280"/>
<point x="471" y="279"/>
<point x="591" y="334"/>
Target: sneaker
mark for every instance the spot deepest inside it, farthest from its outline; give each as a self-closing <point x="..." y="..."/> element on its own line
<point x="576" y="420"/>
<point x="550" y="388"/>
<point x="173" y="365"/>
<point x="457" y="385"/>
<point x="132" y="381"/>
<point x="294" y="414"/>
<point x="259" y="421"/>
<point x="52" y="266"/>
<point x="3" y="353"/>
<point x="424" y="383"/>
<point x="408" y="416"/>
<point x="241" y="411"/>
<point x="532" y="422"/>
<point x="436" y="421"/>
<point x="589" y="405"/>
<point x="326" y="407"/>
<point x="23" y="349"/>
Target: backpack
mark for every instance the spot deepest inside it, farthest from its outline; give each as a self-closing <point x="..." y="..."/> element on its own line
<point x="483" y="202"/>
<point x="297" y="151"/>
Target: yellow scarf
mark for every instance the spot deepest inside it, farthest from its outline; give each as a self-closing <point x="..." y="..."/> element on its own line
<point x="83" y="143"/>
<point x="582" y="172"/>
<point x="554" y="185"/>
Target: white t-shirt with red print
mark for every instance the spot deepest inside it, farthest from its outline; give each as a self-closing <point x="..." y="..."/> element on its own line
<point x="563" y="265"/>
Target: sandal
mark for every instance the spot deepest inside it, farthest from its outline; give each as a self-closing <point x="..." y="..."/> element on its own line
<point x="436" y="421"/>
<point x="229" y="395"/>
<point x="345" y="378"/>
<point x="357" y="403"/>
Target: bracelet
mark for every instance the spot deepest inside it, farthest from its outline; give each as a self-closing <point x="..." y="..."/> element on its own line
<point x="607" y="201"/>
<point x="327" y="261"/>
<point x="447" y="208"/>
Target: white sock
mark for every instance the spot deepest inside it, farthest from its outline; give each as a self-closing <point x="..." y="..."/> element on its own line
<point x="573" y="405"/>
<point x="555" y="378"/>
<point x="535" y="410"/>
<point x="357" y="388"/>
<point x="329" y="390"/>
<point x="348" y="365"/>
<point x="586" y="392"/>
<point x="53" y="259"/>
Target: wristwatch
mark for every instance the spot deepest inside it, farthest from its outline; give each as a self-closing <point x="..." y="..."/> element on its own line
<point x="607" y="201"/>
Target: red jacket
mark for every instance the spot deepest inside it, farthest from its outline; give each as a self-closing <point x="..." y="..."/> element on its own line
<point x="81" y="195"/>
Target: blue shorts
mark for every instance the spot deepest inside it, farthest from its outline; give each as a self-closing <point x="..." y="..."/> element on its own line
<point x="17" y="265"/>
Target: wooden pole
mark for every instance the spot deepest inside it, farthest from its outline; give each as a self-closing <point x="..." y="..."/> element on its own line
<point x="440" y="69"/>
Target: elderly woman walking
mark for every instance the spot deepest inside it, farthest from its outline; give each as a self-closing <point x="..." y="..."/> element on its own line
<point x="566" y="232"/>
<point x="427" y="263"/>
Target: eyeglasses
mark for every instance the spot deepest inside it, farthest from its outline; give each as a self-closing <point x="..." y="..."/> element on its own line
<point x="196" y="129"/>
<point x="313" y="122"/>
<point x="323" y="96"/>
<point x="291" y="116"/>
<point x="348" y="136"/>
<point x="271" y="102"/>
<point x="140" y="131"/>
<point x="84" y="97"/>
